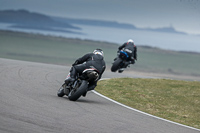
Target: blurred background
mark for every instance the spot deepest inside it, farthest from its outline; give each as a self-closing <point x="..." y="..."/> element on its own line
<point x="167" y="32"/>
<point x="171" y="24"/>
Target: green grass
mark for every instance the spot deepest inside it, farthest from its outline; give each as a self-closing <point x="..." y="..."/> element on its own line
<point x="48" y="49"/>
<point x="178" y="101"/>
<point x="59" y="50"/>
<point x="174" y="62"/>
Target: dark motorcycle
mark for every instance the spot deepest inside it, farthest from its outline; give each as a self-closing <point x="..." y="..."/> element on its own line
<point x="121" y="60"/>
<point x="80" y="86"/>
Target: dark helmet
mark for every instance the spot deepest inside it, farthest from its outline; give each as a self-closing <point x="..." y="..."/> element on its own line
<point x="98" y="51"/>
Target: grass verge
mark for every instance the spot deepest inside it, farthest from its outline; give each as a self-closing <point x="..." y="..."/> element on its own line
<point x="60" y="50"/>
<point x="178" y="101"/>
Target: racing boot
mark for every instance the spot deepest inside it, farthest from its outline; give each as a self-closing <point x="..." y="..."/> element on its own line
<point x="84" y="94"/>
<point x="120" y="70"/>
<point x="72" y="76"/>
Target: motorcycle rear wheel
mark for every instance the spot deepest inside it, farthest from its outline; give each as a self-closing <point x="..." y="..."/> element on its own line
<point x="75" y="94"/>
<point x="116" y="64"/>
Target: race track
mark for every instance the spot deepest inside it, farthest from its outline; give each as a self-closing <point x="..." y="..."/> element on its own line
<point x="29" y="104"/>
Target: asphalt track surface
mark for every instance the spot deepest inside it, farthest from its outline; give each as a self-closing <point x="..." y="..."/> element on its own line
<point x="29" y="104"/>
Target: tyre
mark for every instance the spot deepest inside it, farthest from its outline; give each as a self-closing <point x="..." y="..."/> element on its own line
<point x="76" y="93"/>
<point x="115" y="65"/>
<point x="60" y="92"/>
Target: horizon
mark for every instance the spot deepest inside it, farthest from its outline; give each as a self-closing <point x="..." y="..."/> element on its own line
<point x="184" y="16"/>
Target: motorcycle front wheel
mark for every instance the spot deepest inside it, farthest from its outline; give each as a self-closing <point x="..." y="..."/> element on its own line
<point x="60" y="92"/>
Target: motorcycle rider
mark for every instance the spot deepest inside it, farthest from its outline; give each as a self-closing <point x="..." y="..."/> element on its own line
<point x="132" y="57"/>
<point x="90" y="60"/>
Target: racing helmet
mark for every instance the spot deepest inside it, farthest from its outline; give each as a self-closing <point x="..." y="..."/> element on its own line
<point x="131" y="41"/>
<point x="98" y="51"/>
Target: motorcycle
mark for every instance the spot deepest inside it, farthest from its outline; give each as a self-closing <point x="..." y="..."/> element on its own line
<point x="80" y="86"/>
<point x="121" y="60"/>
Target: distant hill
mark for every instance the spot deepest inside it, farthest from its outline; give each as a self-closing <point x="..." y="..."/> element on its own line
<point x="113" y="24"/>
<point x="165" y="29"/>
<point x="31" y="20"/>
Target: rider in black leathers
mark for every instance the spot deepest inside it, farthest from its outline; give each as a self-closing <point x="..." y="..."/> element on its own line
<point x="132" y="57"/>
<point x="90" y="60"/>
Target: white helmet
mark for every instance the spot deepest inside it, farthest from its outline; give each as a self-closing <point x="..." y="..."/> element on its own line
<point x="130" y="40"/>
<point x="98" y="51"/>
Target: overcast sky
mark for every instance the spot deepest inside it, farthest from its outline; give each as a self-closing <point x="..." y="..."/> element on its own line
<point x="183" y="15"/>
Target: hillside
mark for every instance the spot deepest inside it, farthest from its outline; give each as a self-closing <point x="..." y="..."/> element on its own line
<point x="32" y="20"/>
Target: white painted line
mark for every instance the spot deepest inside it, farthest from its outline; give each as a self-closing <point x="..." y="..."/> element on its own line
<point x="141" y="111"/>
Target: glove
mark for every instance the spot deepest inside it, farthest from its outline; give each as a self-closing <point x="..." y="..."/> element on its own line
<point x="75" y="63"/>
<point x="118" y="52"/>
